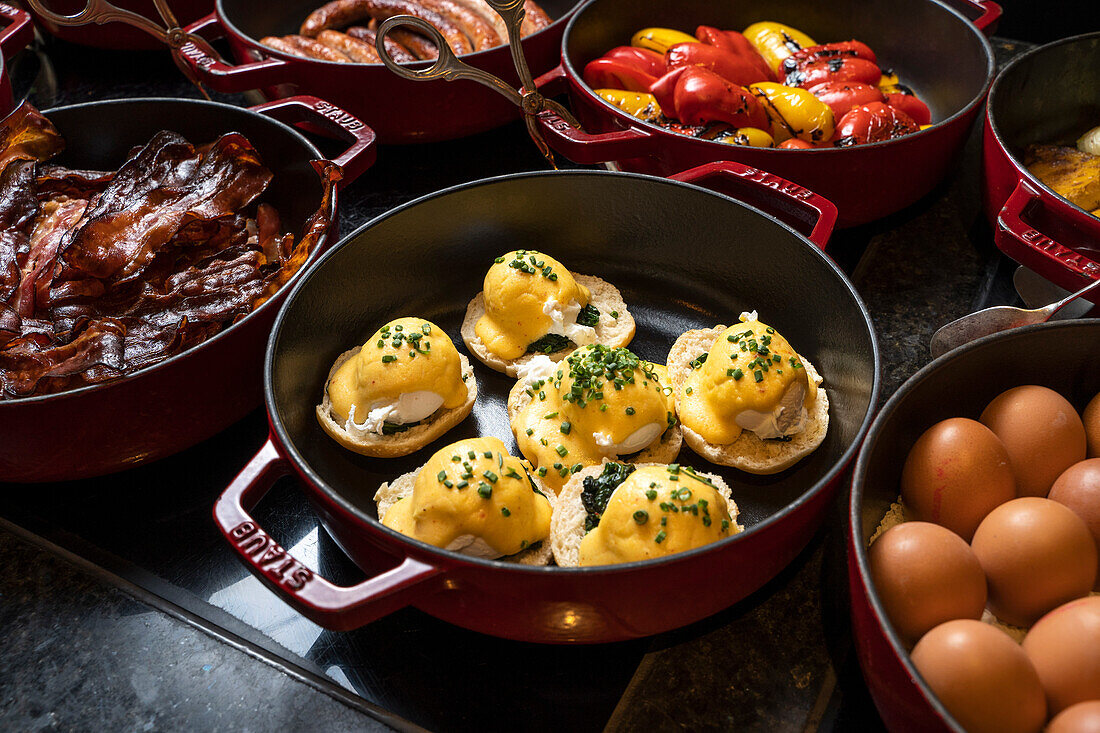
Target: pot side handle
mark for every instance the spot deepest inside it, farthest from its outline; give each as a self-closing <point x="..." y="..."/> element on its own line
<point x="328" y="605"/>
<point x="221" y="76"/>
<point x="1031" y="248"/>
<point x="316" y="113"/>
<point x="808" y="212"/>
<point x="984" y="14"/>
<point x="19" y="31"/>
<point x="582" y="147"/>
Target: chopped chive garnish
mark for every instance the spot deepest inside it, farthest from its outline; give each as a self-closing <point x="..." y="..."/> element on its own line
<point x="505" y="512"/>
<point x="561" y="450"/>
<point x="441" y="475"/>
<point x="630" y="411"/>
<point x="484" y="490"/>
<point x="660" y="537"/>
<point x="530" y="431"/>
<point x="651" y="494"/>
<point x="387" y="358"/>
<point x="566" y="427"/>
<point x="641" y="516"/>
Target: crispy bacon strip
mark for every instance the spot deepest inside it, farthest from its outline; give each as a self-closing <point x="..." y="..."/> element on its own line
<point x="26" y="134"/>
<point x="18" y="207"/>
<point x="28" y="367"/>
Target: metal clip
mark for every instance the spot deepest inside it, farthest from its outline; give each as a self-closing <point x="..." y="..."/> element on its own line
<point x="448" y="68"/>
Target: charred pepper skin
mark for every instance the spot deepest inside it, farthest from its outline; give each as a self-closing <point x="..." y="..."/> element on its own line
<point x="695" y="95"/>
<point x="872" y="123"/>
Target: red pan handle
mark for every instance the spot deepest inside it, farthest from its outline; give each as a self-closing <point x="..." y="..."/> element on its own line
<point x="328" y="605"/>
<point x="582" y="147"/>
<point x="989" y="13"/>
<point x="328" y="117"/>
<point x="18" y="32"/>
<point x="808" y="212"/>
<point x="1027" y="245"/>
<point x="222" y="76"/>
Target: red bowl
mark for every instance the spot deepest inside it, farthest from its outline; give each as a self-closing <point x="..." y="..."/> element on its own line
<point x="119" y="35"/>
<point x="433" y="252"/>
<point x="933" y="48"/>
<point x="399" y="110"/>
<point x="17" y="33"/>
<point x="180" y="401"/>
<point x="1049" y="95"/>
<point x="958" y="384"/>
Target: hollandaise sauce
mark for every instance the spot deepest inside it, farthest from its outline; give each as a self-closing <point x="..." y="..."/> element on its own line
<point x="751" y="379"/>
<point x="405" y="372"/>
<point x="599" y="402"/>
<point x="650" y="512"/>
<point x="532" y="303"/>
<point x="473" y="496"/>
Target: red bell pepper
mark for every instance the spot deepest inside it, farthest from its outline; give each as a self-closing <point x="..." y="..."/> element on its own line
<point x="643" y="59"/>
<point x="795" y="143"/>
<point x="727" y="64"/>
<point x="843" y="68"/>
<point x="625" y="67"/>
<point x="911" y="106"/>
<point x="696" y="95"/>
<point x="826" y="51"/>
<point x="841" y="96"/>
<point x="872" y="123"/>
<point x="734" y="42"/>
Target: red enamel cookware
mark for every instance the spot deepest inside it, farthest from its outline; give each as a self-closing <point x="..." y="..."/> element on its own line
<point x="958" y="384"/>
<point x="400" y="111"/>
<point x="117" y="35"/>
<point x="18" y="31"/>
<point x="935" y="50"/>
<point x="1050" y="95"/>
<point x="683" y="257"/>
<point x="169" y="406"/>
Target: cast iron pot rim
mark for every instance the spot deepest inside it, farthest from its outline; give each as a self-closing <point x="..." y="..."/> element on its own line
<point x="447" y="558"/>
<point x="423" y="64"/>
<point x="990" y="70"/>
<point x="317" y="248"/>
<point x="995" y="130"/>
<point x="855" y="509"/>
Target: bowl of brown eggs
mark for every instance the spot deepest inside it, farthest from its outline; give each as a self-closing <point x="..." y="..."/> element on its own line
<point x="974" y="538"/>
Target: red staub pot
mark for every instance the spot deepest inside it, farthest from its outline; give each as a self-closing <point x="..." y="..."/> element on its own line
<point x="167" y="407"/>
<point x="1051" y="96"/>
<point x="682" y="257"/>
<point x="118" y="35"/>
<point x="933" y="48"/>
<point x="959" y="384"/>
<point x="399" y="110"/>
<point x="18" y="31"/>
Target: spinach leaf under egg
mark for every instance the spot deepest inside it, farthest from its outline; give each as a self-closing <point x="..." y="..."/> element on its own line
<point x="548" y="344"/>
<point x="589" y="316"/>
<point x="392" y="428"/>
<point x="597" y="491"/>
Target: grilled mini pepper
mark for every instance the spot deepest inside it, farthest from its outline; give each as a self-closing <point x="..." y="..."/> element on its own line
<point x="659" y="39"/>
<point x="794" y="112"/>
<point x="625" y="67"/>
<point x="695" y="95"/>
<point x="827" y="51"/>
<point x="842" y="68"/>
<point x="910" y="105"/>
<point x="729" y="65"/>
<point x="841" y="96"/>
<point x="642" y="106"/>
<point x="775" y="42"/>
<point x="872" y="123"/>
<point x="734" y="42"/>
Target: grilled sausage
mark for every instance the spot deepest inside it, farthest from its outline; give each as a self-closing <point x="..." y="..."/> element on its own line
<point x="279" y="45"/>
<point x="490" y="16"/>
<point x="335" y="14"/>
<point x="357" y="50"/>
<point x="399" y="53"/>
<point x="420" y="46"/>
<point x="314" y="49"/>
<point x="476" y="28"/>
<point x="340" y="13"/>
<point x="535" y="19"/>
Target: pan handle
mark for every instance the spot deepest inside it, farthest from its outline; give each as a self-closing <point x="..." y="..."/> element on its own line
<point x="328" y="605"/>
<point x="984" y="14"/>
<point x="1027" y="245"/>
<point x="580" y="146"/>
<point x="808" y="212"/>
<point x="18" y="32"/>
<point x="222" y="76"/>
<point x="314" y="112"/>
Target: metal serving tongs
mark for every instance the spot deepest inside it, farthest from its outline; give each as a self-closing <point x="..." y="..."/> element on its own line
<point x="449" y="68"/>
<point x="101" y="12"/>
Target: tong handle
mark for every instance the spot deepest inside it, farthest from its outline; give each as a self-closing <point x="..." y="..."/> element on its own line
<point x="513" y="13"/>
<point x="101" y="12"/>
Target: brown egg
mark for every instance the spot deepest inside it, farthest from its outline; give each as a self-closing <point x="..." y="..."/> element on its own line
<point x="1084" y="717"/>
<point x="982" y="677"/>
<point x="955" y="474"/>
<point x="1079" y="489"/>
<point x="1091" y="418"/>
<point x="1064" y="646"/>
<point x="1037" y="554"/>
<point x="926" y="574"/>
<point x="1042" y="433"/>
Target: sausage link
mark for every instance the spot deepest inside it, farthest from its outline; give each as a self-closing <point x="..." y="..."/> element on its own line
<point x="314" y="49"/>
<point x="421" y="46"/>
<point x="535" y="19"/>
<point x="399" y="53"/>
<point x="335" y="14"/>
<point x="341" y="13"/>
<point x="353" y="48"/>
<point x="280" y="45"/>
<point x="476" y="28"/>
<point x="490" y="16"/>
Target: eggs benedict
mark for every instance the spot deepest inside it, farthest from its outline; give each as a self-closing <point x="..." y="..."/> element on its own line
<point x="402" y="389"/>
<point x="746" y="398"/>
<point x="617" y="512"/>
<point x="530" y="304"/>
<point x="474" y="498"/>
<point x="598" y="403"/>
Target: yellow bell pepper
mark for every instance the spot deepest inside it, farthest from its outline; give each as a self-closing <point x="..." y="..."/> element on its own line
<point x="888" y="80"/>
<point x="636" y="104"/>
<point x="659" y="39"/>
<point x="749" y="136"/>
<point x="775" y="41"/>
<point x="794" y="112"/>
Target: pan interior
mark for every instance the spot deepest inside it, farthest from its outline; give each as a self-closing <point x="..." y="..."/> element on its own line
<point x="295" y="190"/>
<point x="683" y="258"/>
<point x="941" y="57"/>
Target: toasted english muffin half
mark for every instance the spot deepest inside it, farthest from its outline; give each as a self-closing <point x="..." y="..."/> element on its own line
<point x="663" y="450"/>
<point x="401" y="487"/>
<point x="748" y="453"/>
<point x="604" y="296"/>
<point x="567" y="522"/>
<point x="407" y="441"/>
